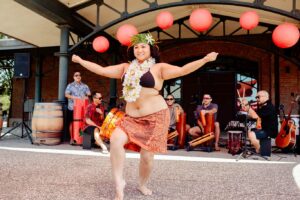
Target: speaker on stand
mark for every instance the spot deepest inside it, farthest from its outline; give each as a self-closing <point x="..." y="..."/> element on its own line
<point x="21" y="70"/>
<point x="22" y="65"/>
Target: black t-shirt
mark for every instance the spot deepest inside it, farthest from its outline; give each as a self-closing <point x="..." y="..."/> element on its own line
<point x="269" y="122"/>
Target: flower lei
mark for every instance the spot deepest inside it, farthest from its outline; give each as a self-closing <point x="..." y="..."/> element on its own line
<point x="131" y="84"/>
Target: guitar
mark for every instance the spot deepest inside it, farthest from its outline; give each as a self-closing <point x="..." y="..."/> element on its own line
<point x="286" y="137"/>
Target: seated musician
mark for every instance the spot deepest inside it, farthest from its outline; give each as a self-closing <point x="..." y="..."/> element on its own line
<point x="267" y="113"/>
<point x="94" y="117"/>
<point x="174" y="109"/>
<point x="206" y="107"/>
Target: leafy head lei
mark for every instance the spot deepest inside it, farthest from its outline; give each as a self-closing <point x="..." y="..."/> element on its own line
<point x="143" y="38"/>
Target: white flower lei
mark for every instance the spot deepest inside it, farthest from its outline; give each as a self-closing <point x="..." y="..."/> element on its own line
<point x="131" y="84"/>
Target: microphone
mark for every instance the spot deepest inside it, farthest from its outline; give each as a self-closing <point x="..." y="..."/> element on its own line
<point x="281" y="107"/>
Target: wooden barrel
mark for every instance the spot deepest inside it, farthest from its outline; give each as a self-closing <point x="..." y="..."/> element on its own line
<point x="47" y="123"/>
<point x="110" y="121"/>
<point x="1" y="118"/>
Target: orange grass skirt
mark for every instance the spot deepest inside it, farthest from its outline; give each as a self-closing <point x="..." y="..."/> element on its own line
<point x="149" y="132"/>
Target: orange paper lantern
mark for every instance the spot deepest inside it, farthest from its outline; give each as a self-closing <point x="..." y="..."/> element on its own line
<point x="285" y="35"/>
<point x="125" y="32"/>
<point x="249" y="20"/>
<point x="200" y="20"/>
<point x="164" y="20"/>
<point x="100" y="44"/>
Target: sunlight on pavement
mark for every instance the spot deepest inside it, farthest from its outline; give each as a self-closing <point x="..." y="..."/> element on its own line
<point x="136" y="155"/>
<point x="296" y="174"/>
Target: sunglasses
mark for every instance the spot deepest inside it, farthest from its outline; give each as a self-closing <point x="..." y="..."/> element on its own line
<point x="171" y="99"/>
<point x="76" y="75"/>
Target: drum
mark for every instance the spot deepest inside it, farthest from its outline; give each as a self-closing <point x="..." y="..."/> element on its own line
<point x="234" y="142"/>
<point x="181" y="129"/>
<point x="80" y="106"/>
<point x="47" y="123"/>
<point x="110" y="121"/>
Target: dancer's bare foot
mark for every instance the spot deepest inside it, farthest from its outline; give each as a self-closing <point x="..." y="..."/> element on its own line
<point x="120" y="191"/>
<point x="144" y="190"/>
<point x="104" y="149"/>
<point x="257" y="150"/>
<point x="217" y="148"/>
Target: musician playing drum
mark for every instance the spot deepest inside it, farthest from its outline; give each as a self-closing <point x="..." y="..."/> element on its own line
<point x="93" y="120"/>
<point x="266" y="112"/>
<point x="175" y="109"/>
<point x="147" y="116"/>
<point x="206" y="107"/>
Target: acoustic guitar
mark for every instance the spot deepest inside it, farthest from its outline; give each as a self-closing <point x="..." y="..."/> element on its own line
<point x="286" y="137"/>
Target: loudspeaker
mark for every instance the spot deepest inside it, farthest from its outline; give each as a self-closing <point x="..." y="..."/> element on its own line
<point x="298" y="144"/>
<point x="22" y="65"/>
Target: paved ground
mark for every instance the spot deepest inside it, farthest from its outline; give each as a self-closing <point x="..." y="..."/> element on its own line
<point x="66" y="172"/>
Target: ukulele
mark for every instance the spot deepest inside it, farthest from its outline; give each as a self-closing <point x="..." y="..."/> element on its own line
<point x="286" y="137"/>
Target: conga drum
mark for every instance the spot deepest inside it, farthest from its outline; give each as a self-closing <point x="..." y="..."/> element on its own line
<point x="47" y="123"/>
<point x="109" y="123"/>
<point x="181" y="129"/>
<point x="234" y="142"/>
<point x="80" y="106"/>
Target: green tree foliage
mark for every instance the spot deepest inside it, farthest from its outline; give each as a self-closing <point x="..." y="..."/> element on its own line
<point x="5" y="100"/>
<point x="6" y="75"/>
<point x="3" y="36"/>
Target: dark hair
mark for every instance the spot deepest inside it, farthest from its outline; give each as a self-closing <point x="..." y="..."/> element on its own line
<point x="94" y="93"/>
<point x="77" y="72"/>
<point x="154" y="52"/>
<point x="171" y="95"/>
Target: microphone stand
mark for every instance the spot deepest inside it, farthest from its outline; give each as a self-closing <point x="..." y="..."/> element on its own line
<point x="246" y="151"/>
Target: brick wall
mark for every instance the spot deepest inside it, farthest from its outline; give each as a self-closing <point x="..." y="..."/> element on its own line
<point x="289" y="80"/>
<point x="289" y="83"/>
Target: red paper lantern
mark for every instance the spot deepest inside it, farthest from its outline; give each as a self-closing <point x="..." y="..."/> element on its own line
<point x="100" y="44"/>
<point x="285" y="35"/>
<point x="125" y="32"/>
<point x="200" y="19"/>
<point x="249" y="20"/>
<point x="164" y="20"/>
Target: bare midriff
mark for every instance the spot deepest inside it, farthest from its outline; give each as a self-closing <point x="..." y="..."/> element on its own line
<point x="150" y="101"/>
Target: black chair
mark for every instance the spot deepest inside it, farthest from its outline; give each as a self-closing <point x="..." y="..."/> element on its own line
<point x="265" y="146"/>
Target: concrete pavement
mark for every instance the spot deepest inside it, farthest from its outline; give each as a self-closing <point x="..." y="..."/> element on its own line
<point x="66" y="172"/>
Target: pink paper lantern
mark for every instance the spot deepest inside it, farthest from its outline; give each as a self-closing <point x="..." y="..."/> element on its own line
<point x="164" y="20"/>
<point x="200" y="20"/>
<point x="249" y="20"/>
<point x="285" y="35"/>
<point x="125" y="32"/>
<point x="100" y="44"/>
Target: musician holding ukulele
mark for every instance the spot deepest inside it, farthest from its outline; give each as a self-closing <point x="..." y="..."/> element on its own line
<point x="268" y="117"/>
<point x="206" y="107"/>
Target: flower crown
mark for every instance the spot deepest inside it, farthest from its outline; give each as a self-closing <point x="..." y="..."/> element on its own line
<point x="142" y="38"/>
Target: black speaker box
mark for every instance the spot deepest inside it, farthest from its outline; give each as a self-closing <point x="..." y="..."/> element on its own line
<point x="22" y="65"/>
<point x="298" y="144"/>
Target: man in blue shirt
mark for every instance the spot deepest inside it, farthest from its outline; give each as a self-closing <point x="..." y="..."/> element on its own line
<point x="75" y="90"/>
